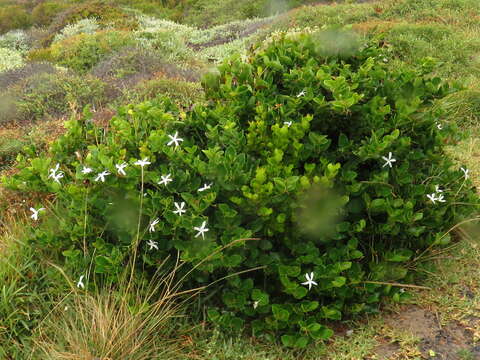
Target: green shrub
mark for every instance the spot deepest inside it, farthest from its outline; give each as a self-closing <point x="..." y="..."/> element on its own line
<point x="51" y="94"/>
<point x="83" y="51"/>
<point x="45" y="12"/>
<point x="290" y="152"/>
<point x="105" y="12"/>
<point x="183" y="93"/>
<point x="167" y="44"/>
<point x="16" y="75"/>
<point x="14" y="17"/>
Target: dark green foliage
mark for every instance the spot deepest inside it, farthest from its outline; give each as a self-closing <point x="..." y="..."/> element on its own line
<point x="292" y="143"/>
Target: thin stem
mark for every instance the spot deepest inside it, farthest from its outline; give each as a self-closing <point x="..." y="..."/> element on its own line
<point x="137" y="239"/>
<point x="448" y="232"/>
<point x="85" y="225"/>
<point x="398" y="285"/>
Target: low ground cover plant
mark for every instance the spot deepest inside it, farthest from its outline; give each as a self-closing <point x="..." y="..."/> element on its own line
<point x="310" y="182"/>
<point x="10" y="59"/>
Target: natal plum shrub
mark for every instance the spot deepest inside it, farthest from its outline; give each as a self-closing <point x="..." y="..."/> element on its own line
<point x="303" y="187"/>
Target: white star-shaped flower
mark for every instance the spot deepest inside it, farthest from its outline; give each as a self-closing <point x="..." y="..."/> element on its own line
<point x="432" y="197"/>
<point x="54" y="170"/>
<point x="174" y="140"/>
<point x="34" y="215"/>
<point x="309" y="281"/>
<point x="255" y="304"/>
<point x="142" y="163"/>
<point x="56" y="176"/>
<point x="439" y="126"/>
<point x="165" y="179"/>
<point x="388" y="160"/>
<point x="152" y="225"/>
<point x="441" y="198"/>
<point x="437" y="189"/>
<point x="201" y="230"/>
<point x="152" y="245"/>
<point x="180" y="208"/>
<point x="205" y="187"/>
<point x="302" y="93"/>
<point x="465" y="171"/>
<point x="86" y="170"/>
<point x="121" y="169"/>
<point x="101" y="176"/>
<point x="288" y="123"/>
<point x="80" y="283"/>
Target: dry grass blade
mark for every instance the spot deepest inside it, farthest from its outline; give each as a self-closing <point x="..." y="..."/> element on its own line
<point x="128" y="323"/>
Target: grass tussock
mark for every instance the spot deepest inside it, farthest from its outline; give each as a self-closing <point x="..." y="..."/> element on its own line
<point x="130" y="323"/>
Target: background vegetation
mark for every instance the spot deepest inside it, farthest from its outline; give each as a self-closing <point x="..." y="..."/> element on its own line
<point x="57" y="56"/>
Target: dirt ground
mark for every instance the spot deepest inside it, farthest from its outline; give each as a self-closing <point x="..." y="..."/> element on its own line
<point x="453" y="341"/>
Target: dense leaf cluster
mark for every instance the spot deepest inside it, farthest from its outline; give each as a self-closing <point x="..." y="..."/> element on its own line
<point x="293" y="142"/>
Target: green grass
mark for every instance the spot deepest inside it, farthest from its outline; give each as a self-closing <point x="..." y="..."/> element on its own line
<point x="27" y="289"/>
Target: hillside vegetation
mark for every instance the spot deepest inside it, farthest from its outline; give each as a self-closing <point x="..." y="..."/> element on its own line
<point x="239" y="179"/>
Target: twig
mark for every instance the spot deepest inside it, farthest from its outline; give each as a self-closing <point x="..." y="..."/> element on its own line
<point x="398" y="285"/>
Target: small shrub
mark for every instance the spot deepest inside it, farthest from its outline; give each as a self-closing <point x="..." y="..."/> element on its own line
<point x="83" y="51"/>
<point x="14" y="17"/>
<point x="14" y="76"/>
<point x="9" y="149"/>
<point x="323" y="179"/>
<point x="8" y="110"/>
<point x="166" y="44"/>
<point x="52" y="95"/>
<point x="45" y="12"/>
<point x="126" y="62"/>
<point x="84" y="26"/>
<point x="183" y="93"/>
<point x="10" y="59"/>
<point x="107" y="14"/>
<point x="15" y="40"/>
<point x="40" y="55"/>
